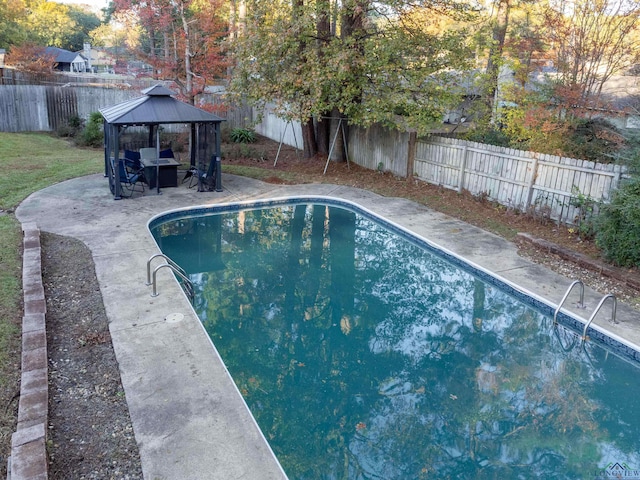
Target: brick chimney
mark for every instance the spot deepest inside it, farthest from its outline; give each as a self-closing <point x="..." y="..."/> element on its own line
<point x="86" y="52"/>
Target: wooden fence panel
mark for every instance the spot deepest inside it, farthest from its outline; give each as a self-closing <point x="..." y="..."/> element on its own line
<point x="62" y="104"/>
<point x="23" y="108"/>
<point x="236" y="116"/>
<point x="92" y="99"/>
<point x="546" y="184"/>
<point x="378" y="148"/>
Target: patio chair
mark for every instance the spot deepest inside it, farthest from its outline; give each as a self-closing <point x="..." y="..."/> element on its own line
<point x="133" y="164"/>
<point x="192" y="176"/>
<point x="208" y="178"/>
<point x="128" y="180"/>
<point x="167" y="153"/>
<point x="148" y="153"/>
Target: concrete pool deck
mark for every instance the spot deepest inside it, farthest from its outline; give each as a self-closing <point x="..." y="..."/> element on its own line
<point x="189" y="420"/>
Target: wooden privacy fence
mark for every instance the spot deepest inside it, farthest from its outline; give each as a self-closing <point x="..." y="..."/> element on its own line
<point x="37" y="108"/>
<point x="548" y="185"/>
<point x="62" y="104"/>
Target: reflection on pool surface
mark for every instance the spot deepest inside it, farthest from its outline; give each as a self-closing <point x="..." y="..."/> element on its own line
<point x="364" y="355"/>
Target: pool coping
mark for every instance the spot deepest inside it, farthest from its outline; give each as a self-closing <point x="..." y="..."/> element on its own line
<point x="161" y="369"/>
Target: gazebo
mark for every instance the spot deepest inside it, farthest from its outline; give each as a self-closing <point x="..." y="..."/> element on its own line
<point x="157" y="107"/>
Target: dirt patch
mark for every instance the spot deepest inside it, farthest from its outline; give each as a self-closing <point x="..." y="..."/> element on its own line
<point x="90" y="434"/>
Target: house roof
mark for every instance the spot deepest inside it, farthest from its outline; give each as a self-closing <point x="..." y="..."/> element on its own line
<point x="156" y="106"/>
<point x="64" y="56"/>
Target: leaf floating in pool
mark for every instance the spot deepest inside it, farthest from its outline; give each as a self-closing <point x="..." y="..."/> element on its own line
<point x="345" y="325"/>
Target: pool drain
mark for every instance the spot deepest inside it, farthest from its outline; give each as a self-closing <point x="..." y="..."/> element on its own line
<point x="174" y="318"/>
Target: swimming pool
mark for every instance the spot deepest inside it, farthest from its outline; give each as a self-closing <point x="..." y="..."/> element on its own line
<point x="363" y="352"/>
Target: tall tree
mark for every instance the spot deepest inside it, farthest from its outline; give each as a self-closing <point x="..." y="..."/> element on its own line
<point x="45" y="23"/>
<point x="183" y="40"/>
<point x="372" y="67"/>
<point x="85" y="22"/>
<point x="50" y="24"/>
<point x="592" y="40"/>
<point x="500" y="24"/>
<point x="12" y="30"/>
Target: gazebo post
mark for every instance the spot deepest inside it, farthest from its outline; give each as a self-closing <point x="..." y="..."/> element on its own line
<point x="157" y="160"/>
<point x="151" y="135"/>
<point x="218" y="159"/>
<point x="193" y="146"/>
<point x="200" y="163"/>
<point x="116" y="165"/>
<point x="106" y="128"/>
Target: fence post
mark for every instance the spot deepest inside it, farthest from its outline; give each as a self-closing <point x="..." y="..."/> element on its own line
<point x="463" y="166"/>
<point x="617" y="178"/>
<point x="411" y="154"/>
<point x="532" y="181"/>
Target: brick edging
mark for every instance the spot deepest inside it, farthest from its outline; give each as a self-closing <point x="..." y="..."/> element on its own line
<point x="28" y="444"/>
<point x="620" y="274"/>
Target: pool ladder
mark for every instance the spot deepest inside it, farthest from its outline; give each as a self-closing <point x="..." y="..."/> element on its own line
<point x="186" y="284"/>
<point x="581" y="305"/>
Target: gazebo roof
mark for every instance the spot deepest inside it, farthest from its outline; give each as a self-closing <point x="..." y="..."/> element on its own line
<point x="156" y="106"/>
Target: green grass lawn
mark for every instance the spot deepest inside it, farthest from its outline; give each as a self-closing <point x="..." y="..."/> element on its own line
<point x="29" y="162"/>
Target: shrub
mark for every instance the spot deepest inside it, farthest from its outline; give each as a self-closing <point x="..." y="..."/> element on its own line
<point x="75" y="121"/>
<point x="618" y="226"/>
<point x="243" y="135"/>
<point x="597" y="140"/>
<point x="71" y="128"/>
<point x="92" y="134"/>
<point x="489" y="136"/>
<point x="586" y="207"/>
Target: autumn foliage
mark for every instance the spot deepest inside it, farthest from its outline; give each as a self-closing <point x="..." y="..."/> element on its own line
<point x="31" y="58"/>
<point x="184" y="41"/>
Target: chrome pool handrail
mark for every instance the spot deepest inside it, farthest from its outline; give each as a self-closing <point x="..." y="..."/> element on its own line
<point x="593" y="315"/>
<point x="188" y="286"/>
<point x="168" y="260"/>
<point x="564" y="299"/>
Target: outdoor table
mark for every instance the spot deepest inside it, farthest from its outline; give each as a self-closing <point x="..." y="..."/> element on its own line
<point x="168" y="171"/>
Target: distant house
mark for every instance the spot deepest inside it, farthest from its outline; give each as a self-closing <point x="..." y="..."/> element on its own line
<point x="99" y="60"/>
<point x="67" y="61"/>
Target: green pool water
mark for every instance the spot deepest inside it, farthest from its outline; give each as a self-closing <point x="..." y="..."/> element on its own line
<point x="363" y="355"/>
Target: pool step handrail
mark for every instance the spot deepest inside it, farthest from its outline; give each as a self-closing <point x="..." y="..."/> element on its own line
<point x="595" y="312"/>
<point x="564" y="299"/>
<point x="166" y="259"/>
<point x="186" y="285"/>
